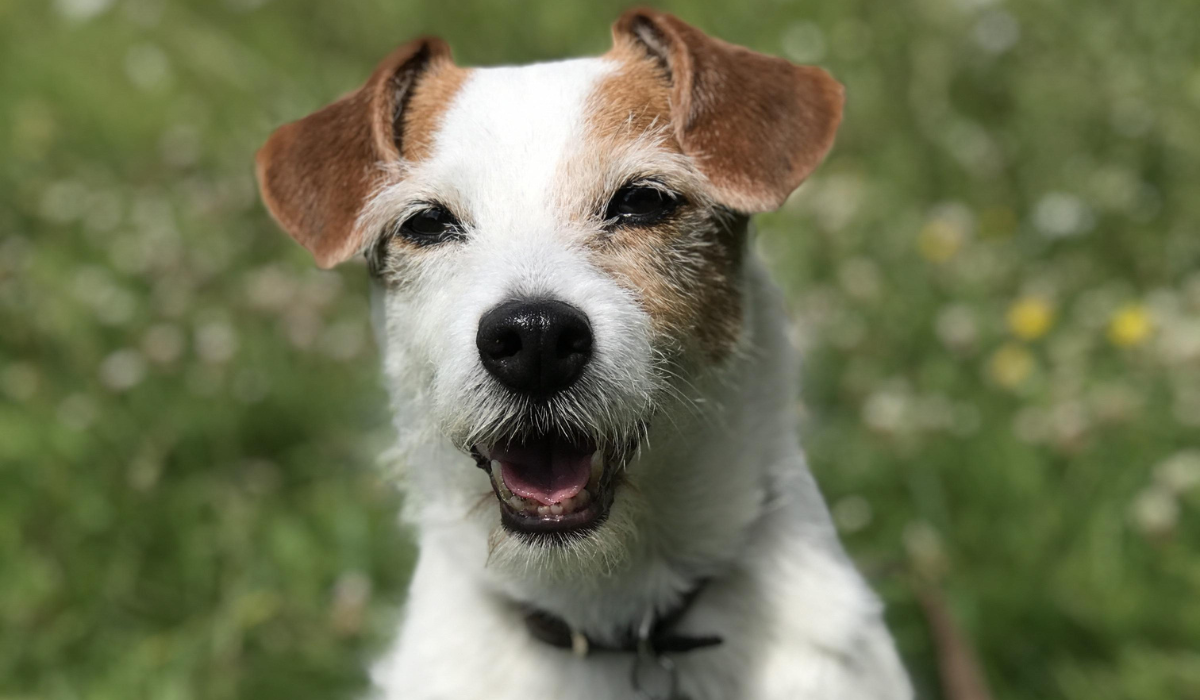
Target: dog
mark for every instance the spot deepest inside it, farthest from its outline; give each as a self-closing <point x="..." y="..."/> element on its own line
<point x="589" y="370"/>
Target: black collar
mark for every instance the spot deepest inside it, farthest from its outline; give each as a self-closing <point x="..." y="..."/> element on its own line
<point x="653" y="636"/>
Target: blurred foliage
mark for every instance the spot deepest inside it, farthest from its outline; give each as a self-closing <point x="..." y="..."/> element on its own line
<point x="996" y="276"/>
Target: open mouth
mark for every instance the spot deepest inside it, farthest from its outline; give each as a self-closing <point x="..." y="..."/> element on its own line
<point x="549" y="483"/>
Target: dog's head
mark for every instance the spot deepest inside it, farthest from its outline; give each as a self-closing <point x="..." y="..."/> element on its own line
<point x="560" y="245"/>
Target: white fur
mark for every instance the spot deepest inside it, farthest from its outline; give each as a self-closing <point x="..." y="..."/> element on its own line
<point x="722" y="489"/>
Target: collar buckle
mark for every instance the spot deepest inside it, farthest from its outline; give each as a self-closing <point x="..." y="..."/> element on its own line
<point x="663" y="685"/>
<point x="580" y="645"/>
<point x="654" y="675"/>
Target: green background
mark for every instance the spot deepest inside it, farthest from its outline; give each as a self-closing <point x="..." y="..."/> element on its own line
<point x="995" y="273"/>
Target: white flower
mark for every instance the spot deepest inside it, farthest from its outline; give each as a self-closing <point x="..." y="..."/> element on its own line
<point x="925" y="550"/>
<point x="1154" y="511"/>
<point x="1060" y="215"/>
<point x="803" y="42"/>
<point x="860" y="278"/>
<point x="996" y="32"/>
<point x="1180" y="472"/>
<point x="147" y="66"/>
<point x="852" y="513"/>
<point x="955" y="326"/>
<point x="81" y="10"/>
<point x="216" y="342"/>
<point x="886" y="411"/>
<point x="123" y="369"/>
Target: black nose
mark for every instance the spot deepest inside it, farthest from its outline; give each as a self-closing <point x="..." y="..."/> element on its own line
<point x="535" y="347"/>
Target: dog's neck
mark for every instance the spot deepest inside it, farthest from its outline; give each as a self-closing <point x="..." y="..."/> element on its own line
<point x="705" y="479"/>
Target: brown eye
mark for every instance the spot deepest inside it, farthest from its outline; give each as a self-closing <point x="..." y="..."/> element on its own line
<point x="640" y="205"/>
<point x="431" y="225"/>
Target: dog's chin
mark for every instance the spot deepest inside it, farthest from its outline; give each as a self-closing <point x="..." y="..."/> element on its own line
<point x="552" y="487"/>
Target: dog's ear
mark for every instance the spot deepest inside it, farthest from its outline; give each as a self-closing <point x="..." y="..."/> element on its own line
<point x="757" y="125"/>
<point x="315" y="174"/>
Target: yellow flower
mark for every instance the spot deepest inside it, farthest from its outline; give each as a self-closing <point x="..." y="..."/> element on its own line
<point x="1011" y="365"/>
<point x="1029" y="318"/>
<point x="939" y="240"/>
<point x="1130" y="325"/>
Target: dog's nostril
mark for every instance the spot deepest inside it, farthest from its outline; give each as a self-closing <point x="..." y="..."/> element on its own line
<point x="535" y="347"/>
<point x="505" y="344"/>
<point x="574" y="341"/>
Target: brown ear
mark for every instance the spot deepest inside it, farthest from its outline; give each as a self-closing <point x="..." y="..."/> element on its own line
<point x="757" y="125"/>
<point x="315" y="174"/>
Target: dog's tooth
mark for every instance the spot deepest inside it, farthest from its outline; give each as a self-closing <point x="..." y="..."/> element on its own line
<point x="568" y="505"/>
<point x="502" y="487"/>
<point x="556" y="509"/>
<point x="582" y="499"/>
<point x="495" y="464"/>
<point x="543" y="510"/>
<point x="517" y="503"/>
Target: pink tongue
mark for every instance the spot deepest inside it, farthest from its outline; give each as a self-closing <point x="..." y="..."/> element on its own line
<point x="548" y="470"/>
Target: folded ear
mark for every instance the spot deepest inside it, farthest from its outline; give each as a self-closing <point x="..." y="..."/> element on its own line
<point x="315" y="174"/>
<point x="757" y="125"/>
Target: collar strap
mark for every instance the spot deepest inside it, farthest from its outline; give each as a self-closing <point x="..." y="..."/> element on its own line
<point x="656" y="637"/>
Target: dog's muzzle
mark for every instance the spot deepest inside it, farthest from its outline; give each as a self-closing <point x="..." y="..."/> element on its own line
<point x="552" y="471"/>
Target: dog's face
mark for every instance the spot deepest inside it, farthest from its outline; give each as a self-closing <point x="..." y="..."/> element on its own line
<point x="560" y="244"/>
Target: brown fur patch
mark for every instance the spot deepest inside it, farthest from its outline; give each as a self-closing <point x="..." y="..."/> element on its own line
<point x="687" y="275"/>
<point x="684" y="271"/>
<point x="426" y="106"/>
<point x="754" y="125"/>
<point x="633" y="100"/>
<point x="316" y="174"/>
<point x="757" y="125"/>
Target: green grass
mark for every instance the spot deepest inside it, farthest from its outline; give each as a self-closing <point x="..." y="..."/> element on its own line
<point x="190" y="414"/>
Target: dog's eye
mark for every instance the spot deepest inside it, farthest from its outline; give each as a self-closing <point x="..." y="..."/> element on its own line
<point x="431" y="225"/>
<point x="640" y="205"/>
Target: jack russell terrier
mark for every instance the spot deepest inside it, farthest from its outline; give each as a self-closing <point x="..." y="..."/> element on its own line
<point x="590" y="371"/>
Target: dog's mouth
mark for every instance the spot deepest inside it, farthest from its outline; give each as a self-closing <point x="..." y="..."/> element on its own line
<point x="550" y="483"/>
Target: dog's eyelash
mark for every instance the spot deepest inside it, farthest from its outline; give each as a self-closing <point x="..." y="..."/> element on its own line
<point x="650" y="183"/>
<point x="628" y="205"/>
<point x="426" y="224"/>
<point x="451" y="229"/>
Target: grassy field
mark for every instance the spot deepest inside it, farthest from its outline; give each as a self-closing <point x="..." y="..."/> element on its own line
<point x="997" y="275"/>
